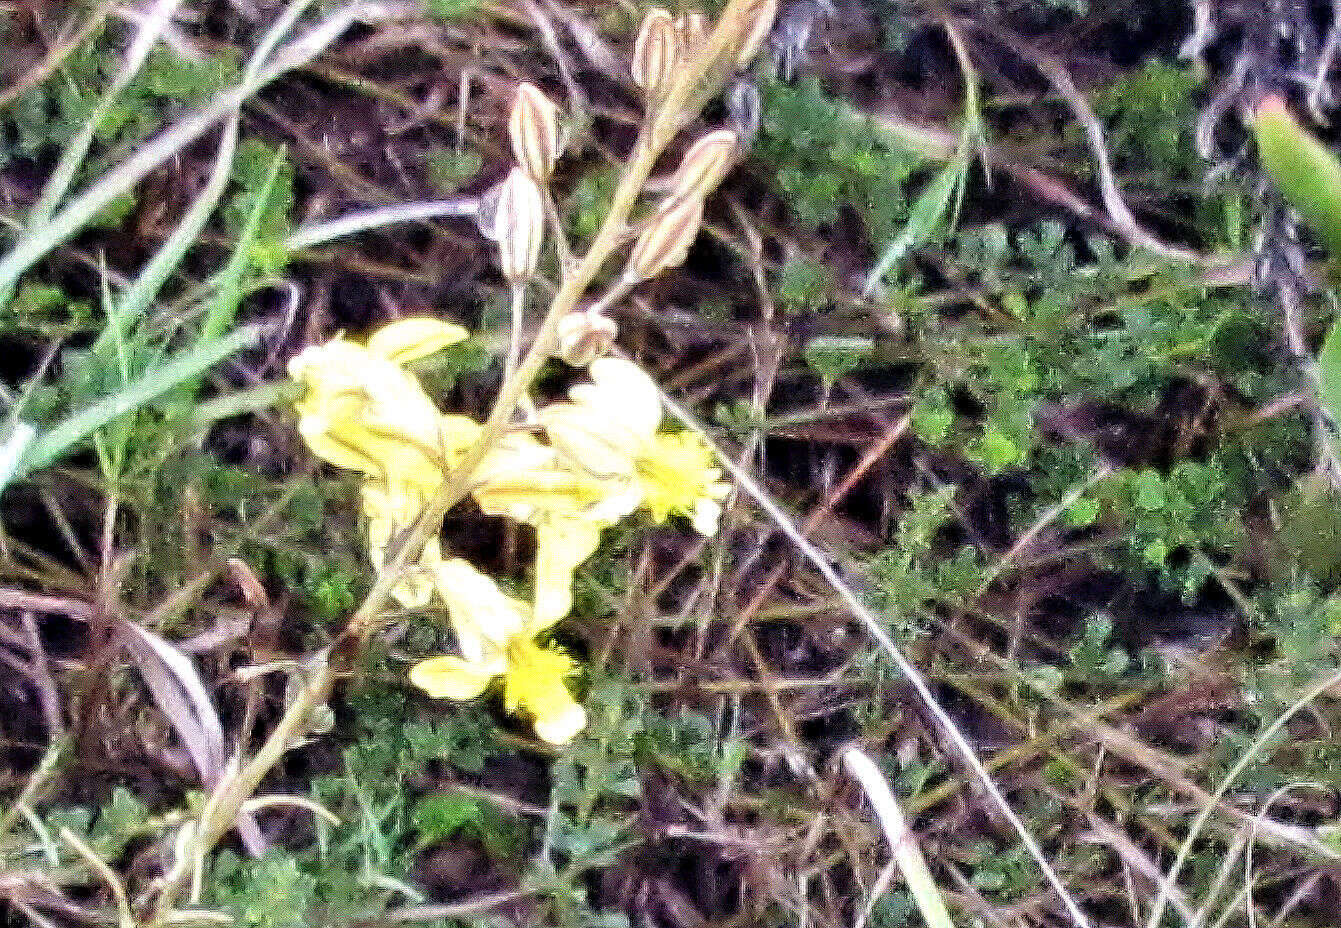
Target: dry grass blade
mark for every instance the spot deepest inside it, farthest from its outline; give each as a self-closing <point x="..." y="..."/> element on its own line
<point x="902" y="842"/>
<point x="180" y="693"/>
<point x="1175" y="869"/>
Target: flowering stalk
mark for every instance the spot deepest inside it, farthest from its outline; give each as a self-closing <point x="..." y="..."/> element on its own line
<point x="742" y="24"/>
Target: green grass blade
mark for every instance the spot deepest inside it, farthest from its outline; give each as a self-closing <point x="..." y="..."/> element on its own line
<point x="223" y="308"/>
<point x="77" y="213"/>
<point x="76" y="150"/>
<point x="928" y="210"/>
<point x="51" y="445"/>
<point x="134" y="303"/>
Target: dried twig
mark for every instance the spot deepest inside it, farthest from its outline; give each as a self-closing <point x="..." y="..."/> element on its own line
<point x="1056" y="74"/>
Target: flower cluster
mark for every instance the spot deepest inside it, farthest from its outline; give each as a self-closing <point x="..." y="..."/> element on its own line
<point x="573" y="468"/>
<point x="583" y="465"/>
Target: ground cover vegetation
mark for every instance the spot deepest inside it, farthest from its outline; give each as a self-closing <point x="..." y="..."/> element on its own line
<point x="747" y="463"/>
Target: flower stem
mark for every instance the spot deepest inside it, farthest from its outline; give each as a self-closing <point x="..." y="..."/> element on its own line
<point x="698" y="82"/>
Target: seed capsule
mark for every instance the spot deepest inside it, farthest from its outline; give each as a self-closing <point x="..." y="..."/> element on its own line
<point x="758" y="23"/>
<point x="519" y="226"/>
<point x="533" y="127"/>
<point x="656" y="53"/>
<point x="666" y="240"/>
<point x="584" y="336"/>
<point x="705" y="164"/>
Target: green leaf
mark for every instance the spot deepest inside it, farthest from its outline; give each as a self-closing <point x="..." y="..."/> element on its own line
<point x="834" y="356"/>
<point x="1305" y="171"/>
<point x="1329" y="373"/>
<point x="444" y="816"/>
<point x="924" y="218"/>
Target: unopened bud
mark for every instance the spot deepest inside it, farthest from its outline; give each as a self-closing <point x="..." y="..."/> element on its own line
<point x="584" y="336"/>
<point x="519" y="226"/>
<point x="666" y="240"/>
<point x="656" y="53"/>
<point x="533" y="126"/>
<point x="692" y="29"/>
<point x="758" y="22"/>
<point x="705" y="164"/>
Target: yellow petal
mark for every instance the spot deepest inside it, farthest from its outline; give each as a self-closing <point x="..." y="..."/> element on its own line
<point x="534" y="683"/>
<point x="561" y="723"/>
<point x="679" y="477"/>
<point x="417" y="337"/>
<point x="561" y="545"/>
<point x="484" y="618"/>
<point x="449" y="677"/>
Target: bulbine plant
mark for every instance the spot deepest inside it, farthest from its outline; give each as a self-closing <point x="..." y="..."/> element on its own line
<point x="570" y="469"/>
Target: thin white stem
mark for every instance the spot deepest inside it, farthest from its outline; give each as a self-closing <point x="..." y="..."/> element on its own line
<point x="362" y="221"/>
<point x="515" y="336"/>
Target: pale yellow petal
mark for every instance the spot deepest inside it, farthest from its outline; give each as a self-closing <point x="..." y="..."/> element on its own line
<point x="332" y="447"/>
<point x="590" y="439"/>
<point x="559" y="724"/>
<point x="417" y="337"/>
<point x="483" y="616"/>
<point x="707" y="513"/>
<point x="622" y="391"/>
<point x="457" y="434"/>
<point x="533" y="495"/>
<point x="561" y="546"/>
<point x="449" y="677"/>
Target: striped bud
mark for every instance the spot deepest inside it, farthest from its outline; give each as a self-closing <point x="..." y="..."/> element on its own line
<point x="519" y="226"/>
<point x="705" y="164"/>
<point x="656" y="53"/>
<point x="758" y="24"/>
<point x="666" y="240"/>
<point x="692" y="29"/>
<point x="584" y="336"/>
<point x="533" y="126"/>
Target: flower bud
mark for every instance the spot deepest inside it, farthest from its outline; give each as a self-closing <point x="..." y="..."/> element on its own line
<point x="656" y="53"/>
<point x="666" y="240"/>
<point x="758" y="22"/>
<point x="692" y="29"/>
<point x="533" y="127"/>
<point x="519" y="226"/>
<point x="584" y="336"/>
<point x="705" y="164"/>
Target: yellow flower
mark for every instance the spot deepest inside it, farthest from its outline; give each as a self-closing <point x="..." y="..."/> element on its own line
<point x="678" y="477"/>
<point x="528" y="482"/>
<point x="610" y="428"/>
<point x="496" y="635"/>
<point x="362" y="410"/>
